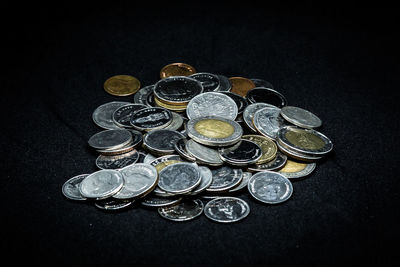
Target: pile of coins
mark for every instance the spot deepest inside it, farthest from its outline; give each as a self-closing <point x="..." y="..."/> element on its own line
<point x="194" y="137"/>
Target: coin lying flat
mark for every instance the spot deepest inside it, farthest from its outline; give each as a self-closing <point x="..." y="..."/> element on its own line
<point x="224" y="179"/>
<point x="267" y="121"/>
<point x="110" y="204"/>
<point x="209" y="81"/>
<point x="176" y="123"/>
<point x="179" y="178"/>
<point x="296" y="155"/>
<point x="183" y="211"/>
<point x="137" y="138"/>
<point x="241" y="85"/>
<point x="224" y="84"/>
<point x="203" y="154"/>
<point x="101" y="184"/>
<point x="151" y="118"/>
<point x="177" y="69"/>
<point x="250" y="110"/>
<point x="300" y="117"/>
<point x="177" y="89"/>
<point x="180" y="148"/>
<point x="226" y="209"/>
<point x="243" y="183"/>
<point x="240" y="101"/>
<point x="117" y="161"/>
<point x="296" y="169"/>
<point x="121" y="85"/>
<point x="270" y="187"/>
<point x="266" y="95"/>
<point x="103" y="115"/>
<point x="161" y="142"/>
<point x="268" y="147"/>
<point x="278" y="162"/>
<point x="110" y="139"/>
<point x="262" y="83"/>
<point x="141" y="96"/>
<point x="122" y="115"/>
<point x="156" y="202"/>
<point x="70" y="188"/>
<point x="243" y="153"/>
<point x="206" y="180"/>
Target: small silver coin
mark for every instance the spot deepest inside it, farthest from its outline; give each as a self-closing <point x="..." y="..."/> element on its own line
<point x="224" y="179"/>
<point x="267" y="121"/>
<point x="122" y="115"/>
<point x="240" y="101"/>
<point x="300" y="117"/>
<point x="212" y="104"/>
<point x="137" y="138"/>
<point x="243" y="153"/>
<point x="101" y="184"/>
<point x="278" y="162"/>
<point x="140" y="96"/>
<point x="179" y="178"/>
<point x="296" y="155"/>
<point x="206" y="180"/>
<point x="243" y="183"/>
<point x="270" y="187"/>
<point x="180" y="148"/>
<point x="70" y="188"/>
<point x="117" y="161"/>
<point x="110" y="139"/>
<point x="209" y="81"/>
<point x="300" y="174"/>
<point x="185" y="210"/>
<point x="250" y="110"/>
<point x="113" y="204"/>
<point x="262" y="83"/>
<point x="266" y="95"/>
<point x="224" y="83"/>
<point x="226" y="209"/>
<point x="161" y="142"/>
<point x="176" y="123"/>
<point x="154" y="201"/>
<point x="103" y="115"/>
<point x="203" y="154"/>
<point x="151" y="118"/>
<point x="177" y="89"/>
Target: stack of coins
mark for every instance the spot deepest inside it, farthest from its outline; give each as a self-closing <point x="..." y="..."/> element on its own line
<point x="195" y="137"/>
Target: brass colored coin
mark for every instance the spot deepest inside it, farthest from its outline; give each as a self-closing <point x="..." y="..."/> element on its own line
<point x="177" y="69"/>
<point x="241" y="85"/>
<point x="164" y="164"/>
<point x="168" y="106"/>
<point x="268" y="147"/>
<point x="293" y="166"/>
<point x="121" y="85"/>
<point x="305" y="139"/>
<point x="214" y="128"/>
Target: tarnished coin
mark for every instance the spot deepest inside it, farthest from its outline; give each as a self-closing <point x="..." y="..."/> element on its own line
<point x="270" y="187"/>
<point x="266" y="95"/>
<point x="176" y="123"/>
<point x="122" y="115"/>
<point x="101" y="184"/>
<point x="203" y="154"/>
<point x="139" y="179"/>
<point x="241" y="85"/>
<point x="268" y="147"/>
<point x="110" y="139"/>
<point x="243" y="153"/>
<point x="295" y="169"/>
<point x="243" y="183"/>
<point x="183" y="211"/>
<point x="250" y="110"/>
<point x="177" y="89"/>
<point x="226" y="209"/>
<point x="297" y="155"/>
<point x="224" y="84"/>
<point x="117" y="161"/>
<point x="240" y="101"/>
<point x="70" y="188"/>
<point x="209" y="81"/>
<point x="103" y="115"/>
<point x="278" y="162"/>
<point x="161" y="142"/>
<point x="262" y="83"/>
<point x="206" y="180"/>
<point x="267" y="121"/>
<point x="225" y="178"/>
<point x="177" y="69"/>
<point x="179" y="178"/>
<point x="151" y="118"/>
<point x="122" y="85"/>
<point x="154" y="201"/>
<point x="141" y="96"/>
<point x="180" y="148"/>
<point x="212" y="104"/>
<point x="113" y="204"/>
<point x="300" y="117"/>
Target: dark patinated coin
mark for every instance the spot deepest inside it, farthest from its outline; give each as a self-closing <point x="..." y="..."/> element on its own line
<point x="245" y="152"/>
<point x="266" y="95"/>
<point x="122" y="116"/>
<point x="262" y="83"/>
<point x="161" y="142"/>
<point x="151" y="118"/>
<point x="209" y="81"/>
<point x="177" y="89"/>
<point x="224" y="84"/>
<point x="240" y="101"/>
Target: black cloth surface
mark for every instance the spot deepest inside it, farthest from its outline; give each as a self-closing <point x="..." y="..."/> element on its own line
<point x="335" y="61"/>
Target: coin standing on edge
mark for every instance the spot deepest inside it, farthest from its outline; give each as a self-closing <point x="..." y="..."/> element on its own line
<point x="226" y="209"/>
<point x="183" y="211"/>
<point x="121" y="85"/>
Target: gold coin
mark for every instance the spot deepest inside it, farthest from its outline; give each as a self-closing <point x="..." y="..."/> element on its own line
<point x="169" y="107"/>
<point x="121" y="85"/>
<point x="171" y="102"/>
<point x="176" y="69"/>
<point x="241" y="85"/>
<point x="293" y="166"/>
<point x="164" y="164"/>
<point x="214" y="128"/>
<point x="268" y="147"/>
<point x="304" y="139"/>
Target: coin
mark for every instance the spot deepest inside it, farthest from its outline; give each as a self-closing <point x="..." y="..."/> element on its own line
<point x="183" y="211"/>
<point x="225" y="178"/>
<point x="164" y="161"/>
<point x="270" y="187"/>
<point x="296" y="155"/>
<point x="212" y="104"/>
<point x="241" y="85"/>
<point x="243" y="183"/>
<point x="267" y="121"/>
<point x="266" y="95"/>
<point x="179" y="178"/>
<point x="176" y="123"/>
<point x="103" y="115"/>
<point x="151" y="118"/>
<point x="101" y="184"/>
<point x="243" y="153"/>
<point x="240" y="101"/>
<point x="295" y="169"/>
<point x="70" y="188"/>
<point x="141" y="96"/>
<point x="149" y="158"/>
<point x="110" y="139"/>
<point x="268" y="147"/>
<point x="113" y="204"/>
<point x="141" y="157"/>
<point x="161" y="142"/>
<point x="224" y="84"/>
<point x="275" y="164"/>
<point x="209" y="81"/>
<point x="122" y="115"/>
<point x="250" y="110"/>
<point x="203" y="154"/>
<point x="226" y="209"/>
<point x="262" y="83"/>
<point x="176" y="108"/>
<point x="121" y="85"/>
<point x="177" y="69"/>
<point x="180" y="148"/>
<point x="117" y="161"/>
<point x="177" y="89"/>
<point x="156" y="202"/>
<point x="300" y="117"/>
<point x="206" y="180"/>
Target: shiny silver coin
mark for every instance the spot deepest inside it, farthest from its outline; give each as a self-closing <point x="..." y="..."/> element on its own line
<point x="240" y="101"/>
<point x="267" y="121"/>
<point x="113" y="204"/>
<point x="243" y="183"/>
<point x="179" y="178"/>
<point x="309" y="168"/>
<point x="103" y="115"/>
<point x="203" y="154"/>
<point x="183" y="211"/>
<point x="224" y="179"/>
<point x="262" y="83"/>
<point x="206" y="180"/>
<point x="295" y="154"/>
<point x="117" y="161"/>
<point x="150" y="100"/>
<point x="266" y="95"/>
<point x="300" y="117"/>
<point x="156" y="202"/>
<point x="243" y="153"/>
<point x="180" y="148"/>
<point x="177" y="89"/>
<point x="226" y="209"/>
<point x="137" y="138"/>
<point x="209" y="81"/>
<point x="161" y="142"/>
<point x="278" y="162"/>
<point x="270" y="187"/>
<point x="101" y="184"/>
<point x="110" y="139"/>
<point x="139" y="179"/>
<point x="212" y="104"/>
<point x="149" y="158"/>
<point x="176" y="123"/>
<point x="140" y="96"/>
<point x="250" y="110"/>
<point x="70" y="188"/>
<point x="122" y="115"/>
<point x="151" y="119"/>
<point x="224" y="83"/>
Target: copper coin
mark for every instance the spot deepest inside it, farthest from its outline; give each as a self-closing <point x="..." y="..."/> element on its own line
<point x="241" y="85"/>
<point x="121" y="85"/>
<point x="177" y="69"/>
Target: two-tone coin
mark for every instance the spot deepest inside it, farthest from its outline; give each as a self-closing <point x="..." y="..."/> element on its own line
<point x="101" y="184"/>
<point x="278" y="162"/>
<point x="103" y="115"/>
<point x="70" y="188"/>
<point x="250" y="110"/>
<point x="262" y="83"/>
<point x="266" y="95"/>
<point x="177" y="69"/>
<point x="117" y="161"/>
<point x="180" y="148"/>
<point x="243" y="153"/>
<point x="161" y="142"/>
<point x="240" y="101"/>
<point x="241" y="85"/>
<point x="185" y="210"/>
<point x="151" y="119"/>
<point x="267" y="145"/>
<point x="179" y="178"/>
<point x="267" y="121"/>
<point x="122" y="85"/>
<point x="209" y="81"/>
<point x="203" y="154"/>
<point x="122" y="115"/>
<point x="225" y="178"/>
<point x="296" y="169"/>
<point x="110" y="139"/>
<point x="300" y="117"/>
<point x="226" y="209"/>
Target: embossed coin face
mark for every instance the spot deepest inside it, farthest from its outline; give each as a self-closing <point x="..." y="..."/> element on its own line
<point x="179" y="89"/>
<point x="226" y="209"/>
<point x="243" y="153"/>
<point x="121" y="85"/>
<point x="241" y="85"/>
<point x="262" y="83"/>
<point x="278" y="162"/>
<point x="184" y="211"/>
<point x="101" y="184"/>
<point x="113" y="204"/>
<point x="203" y="154"/>
<point x="268" y="147"/>
<point x="151" y="118"/>
<point x="225" y="178"/>
<point x="103" y="115"/>
<point x="179" y="178"/>
<point x="206" y="180"/>
<point x="267" y="121"/>
<point x="296" y="155"/>
<point x="295" y="169"/>
<point x="266" y="95"/>
<point x="117" y="161"/>
<point x="177" y="69"/>
<point x="110" y="139"/>
<point x="300" y="117"/>
<point x="270" y="187"/>
<point x="209" y="81"/>
<point x="141" y="96"/>
<point x="250" y="110"/>
<point x="243" y="183"/>
<point x="122" y="115"/>
<point x="70" y="188"/>
<point x="212" y="104"/>
<point x="162" y="141"/>
<point x="240" y="101"/>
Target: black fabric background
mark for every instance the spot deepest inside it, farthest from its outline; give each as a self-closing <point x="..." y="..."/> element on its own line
<point x="337" y="60"/>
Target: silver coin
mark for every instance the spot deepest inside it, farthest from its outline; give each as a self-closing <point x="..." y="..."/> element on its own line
<point x="137" y="138"/>
<point x="209" y="81"/>
<point x="267" y="121"/>
<point x="226" y="209"/>
<point x="224" y="179"/>
<point x="310" y="167"/>
<point x="183" y="211"/>
<point x="140" y="96"/>
<point x="300" y="117"/>
<point x="275" y="164"/>
<point x="249" y="112"/>
<point x="212" y="104"/>
<point x="295" y="154"/>
<point x="122" y="115"/>
<point x="180" y="148"/>
<point x="157" y="162"/>
<point x="206" y="180"/>
<point x="161" y="142"/>
<point x="117" y="161"/>
<point x="70" y="188"/>
<point x="176" y="123"/>
<point x="262" y="83"/>
<point x="101" y="184"/>
<point x="141" y="157"/>
<point x="266" y="95"/>
<point x="243" y="153"/>
<point x="240" y="101"/>
<point x="149" y="158"/>
<point x="113" y="204"/>
<point x="179" y="178"/>
<point x="224" y="83"/>
<point x="270" y="187"/>
<point x="151" y="119"/>
<point x="243" y="183"/>
<point x="203" y="154"/>
<point x="110" y="139"/>
<point x="177" y="89"/>
<point x="103" y="115"/>
<point x="156" y="202"/>
<point x="139" y="179"/>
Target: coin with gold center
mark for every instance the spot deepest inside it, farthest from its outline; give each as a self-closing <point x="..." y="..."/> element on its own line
<point x="241" y="85"/>
<point x="297" y="169"/>
<point x="214" y="128"/>
<point x="267" y="145"/>
<point x="177" y="69"/>
<point x="121" y="85"/>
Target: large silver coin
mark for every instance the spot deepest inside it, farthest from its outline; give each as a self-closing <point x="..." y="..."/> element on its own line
<point x="206" y="180"/>
<point x="244" y="153"/>
<point x="70" y="188"/>
<point x="243" y="183"/>
<point x="203" y="154"/>
<point x="249" y="112"/>
<point x="270" y="187"/>
<point x="267" y="122"/>
<point x="275" y="164"/>
<point x="103" y="115"/>
<point x="156" y="202"/>
<point x="296" y="155"/>
<point x="212" y="104"/>
<point x="240" y="101"/>
<point x="177" y="89"/>
<point x="161" y="142"/>
<point x="224" y="83"/>
<point x="122" y="115"/>
<point x="180" y="148"/>
<point x="224" y="179"/>
<point x="209" y="81"/>
<point x="141" y="96"/>
<point x="110" y="139"/>
<point x="179" y="178"/>
<point x="176" y="123"/>
<point x="137" y="138"/>
<point x="226" y="209"/>
<point x="101" y="184"/>
<point x="117" y="161"/>
<point x="111" y="204"/>
<point x="139" y="179"/>
<point x="184" y="211"/>
<point x="151" y="118"/>
<point x="300" y="117"/>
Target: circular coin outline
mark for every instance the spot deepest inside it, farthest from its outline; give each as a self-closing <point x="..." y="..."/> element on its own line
<point x="130" y="91"/>
<point x="106" y="194"/>
<point x="164" y="70"/>
<point x="212" y="202"/>
<point x="298" y="122"/>
<point x="163" y="211"/>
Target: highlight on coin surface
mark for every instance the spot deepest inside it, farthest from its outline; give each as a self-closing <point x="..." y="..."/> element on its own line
<point x="122" y="85"/>
<point x="177" y="69"/>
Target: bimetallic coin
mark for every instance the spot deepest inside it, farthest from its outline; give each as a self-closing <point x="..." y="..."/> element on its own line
<point x="70" y="188"/>
<point x="267" y="121"/>
<point x="103" y="115"/>
<point x="226" y="209"/>
<point x="161" y="142"/>
<point x="209" y="81"/>
<point x="177" y="89"/>
<point x="250" y="110"/>
<point x="241" y="85"/>
<point x="278" y="162"/>
<point x="240" y="101"/>
<point x="266" y="95"/>
<point x="141" y="96"/>
<point x="270" y="187"/>
<point x="300" y="117"/>
<point x="101" y="184"/>
<point x="122" y="115"/>
<point x="156" y="202"/>
<point x="203" y="154"/>
<point x="179" y="178"/>
<point x="294" y="169"/>
<point x="296" y="155"/>
<point x="121" y="85"/>
<point x="176" y="123"/>
<point x="224" y="179"/>
<point x="243" y="153"/>
<point x="151" y="118"/>
<point x="206" y="180"/>
<point x="262" y="83"/>
<point x="177" y="69"/>
<point x="243" y="183"/>
<point x="110" y="139"/>
<point x="184" y="211"/>
<point x="224" y="84"/>
<point x="117" y="161"/>
<point x="268" y="147"/>
<point x="180" y="148"/>
<point x="110" y="204"/>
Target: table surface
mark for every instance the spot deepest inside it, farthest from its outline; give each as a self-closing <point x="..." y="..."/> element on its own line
<point x="339" y="64"/>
